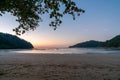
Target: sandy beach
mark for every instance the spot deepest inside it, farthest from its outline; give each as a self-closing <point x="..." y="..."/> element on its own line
<point x="60" y="67"/>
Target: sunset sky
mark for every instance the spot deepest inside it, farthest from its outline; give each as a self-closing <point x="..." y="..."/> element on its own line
<point x="101" y="21"/>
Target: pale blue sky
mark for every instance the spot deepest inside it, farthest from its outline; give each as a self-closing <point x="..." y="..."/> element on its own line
<point x="101" y="21"/>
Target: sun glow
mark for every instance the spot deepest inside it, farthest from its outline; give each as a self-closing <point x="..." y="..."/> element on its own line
<point x="47" y="44"/>
<point x="44" y="42"/>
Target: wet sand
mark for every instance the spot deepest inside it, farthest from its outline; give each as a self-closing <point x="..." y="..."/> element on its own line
<point x="60" y="67"/>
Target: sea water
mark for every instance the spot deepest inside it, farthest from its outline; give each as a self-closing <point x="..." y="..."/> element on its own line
<point x="61" y="51"/>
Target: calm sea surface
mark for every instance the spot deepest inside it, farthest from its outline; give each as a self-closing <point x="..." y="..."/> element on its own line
<point x="61" y="51"/>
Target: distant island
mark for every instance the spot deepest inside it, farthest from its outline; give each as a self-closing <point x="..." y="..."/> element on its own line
<point x="8" y="41"/>
<point x="112" y="43"/>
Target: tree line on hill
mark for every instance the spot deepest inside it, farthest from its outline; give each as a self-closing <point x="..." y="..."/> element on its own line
<point x="112" y="43"/>
<point x="8" y="41"/>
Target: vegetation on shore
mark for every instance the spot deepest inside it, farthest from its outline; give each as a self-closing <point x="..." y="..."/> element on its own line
<point x="112" y="43"/>
<point x="8" y="41"/>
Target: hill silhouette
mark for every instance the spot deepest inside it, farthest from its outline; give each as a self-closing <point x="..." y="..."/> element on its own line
<point x="87" y="44"/>
<point x="8" y="41"/>
<point x="112" y="43"/>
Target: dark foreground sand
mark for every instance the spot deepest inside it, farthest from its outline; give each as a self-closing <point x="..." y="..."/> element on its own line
<point x="60" y="67"/>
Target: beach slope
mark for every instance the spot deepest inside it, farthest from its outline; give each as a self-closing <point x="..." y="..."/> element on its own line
<point x="60" y="67"/>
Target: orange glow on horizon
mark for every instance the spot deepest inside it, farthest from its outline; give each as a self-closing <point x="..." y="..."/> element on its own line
<point x="46" y="41"/>
<point x="49" y="45"/>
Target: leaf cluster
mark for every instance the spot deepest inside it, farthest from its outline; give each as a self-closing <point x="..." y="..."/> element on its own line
<point x="29" y="12"/>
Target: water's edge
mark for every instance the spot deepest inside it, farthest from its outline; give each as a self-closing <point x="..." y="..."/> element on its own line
<point x="62" y="51"/>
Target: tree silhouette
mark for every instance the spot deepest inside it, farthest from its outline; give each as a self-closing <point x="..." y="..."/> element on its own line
<point x="8" y="41"/>
<point x="29" y="12"/>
